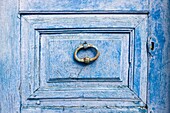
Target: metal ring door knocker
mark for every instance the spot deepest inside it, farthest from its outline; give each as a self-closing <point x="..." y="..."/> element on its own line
<point x="86" y="60"/>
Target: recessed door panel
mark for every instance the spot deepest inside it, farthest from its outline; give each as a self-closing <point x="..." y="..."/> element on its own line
<point x="58" y="55"/>
<point x="52" y="76"/>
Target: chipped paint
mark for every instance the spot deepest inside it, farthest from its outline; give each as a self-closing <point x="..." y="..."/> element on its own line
<point x="143" y="18"/>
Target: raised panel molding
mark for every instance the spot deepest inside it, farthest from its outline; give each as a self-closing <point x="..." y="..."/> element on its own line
<point x="38" y="87"/>
<point x="59" y="47"/>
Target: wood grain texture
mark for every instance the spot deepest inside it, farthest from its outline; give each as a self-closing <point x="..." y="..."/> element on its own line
<point x="9" y="57"/>
<point x="84" y="110"/>
<point x="47" y="32"/>
<point x="60" y="48"/>
<point x="158" y="62"/>
<point x="80" y="5"/>
<point x="85" y="93"/>
<point x="159" y="58"/>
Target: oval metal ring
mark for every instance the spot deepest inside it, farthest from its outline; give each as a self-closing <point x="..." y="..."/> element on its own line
<point x="86" y="59"/>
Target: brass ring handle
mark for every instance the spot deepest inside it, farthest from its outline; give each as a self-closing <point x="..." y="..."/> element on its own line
<point x="86" y="59"/>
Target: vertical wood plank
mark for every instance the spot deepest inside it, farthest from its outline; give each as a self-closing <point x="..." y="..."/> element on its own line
<point x="9" y="57"/>
<point x="159" y="72"/>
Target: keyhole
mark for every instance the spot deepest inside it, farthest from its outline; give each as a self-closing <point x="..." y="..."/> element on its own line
<point x="152" y="46"/>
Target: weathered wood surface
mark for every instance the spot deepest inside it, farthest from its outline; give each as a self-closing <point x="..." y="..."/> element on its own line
<point x="84" y="110"/>
<point x="78" y="5"/>
<point x="9" y="57"/>
<point x="110" y="64"/>
<point x="159" y="61"/>
<point x="47" y="32"/>
<point x="158" y="69"/>
<point x="85" y="92"/>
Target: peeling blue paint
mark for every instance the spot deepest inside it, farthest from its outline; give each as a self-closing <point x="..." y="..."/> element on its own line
<point x="20" y="89"/>
<point x="156" y="14"/>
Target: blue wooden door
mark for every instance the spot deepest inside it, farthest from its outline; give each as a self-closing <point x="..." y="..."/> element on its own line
<point x="84" y="56"/>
